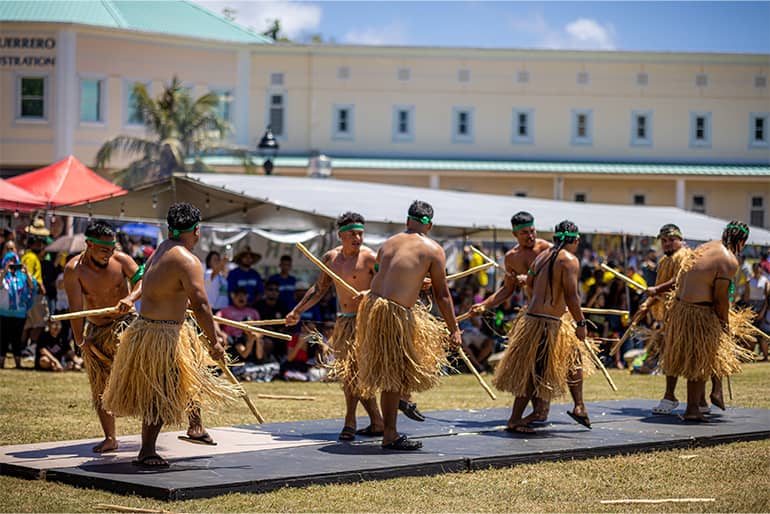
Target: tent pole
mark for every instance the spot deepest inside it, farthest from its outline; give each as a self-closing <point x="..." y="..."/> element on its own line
<point x="625" y="258"/>
<point x="494" y="256"/>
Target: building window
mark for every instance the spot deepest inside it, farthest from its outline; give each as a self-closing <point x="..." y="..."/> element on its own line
<point x="699" y="204"/>
<point x="580" y="197"/>
<point x="582" y="127"/>
<point x="343" y="72"/>
<point x="277" y="113"/>
<point x="133" y="113"/>
<point x="462" y="125"/>
<point x="701" y="80"/>
<point x="757" y="214"/>
<point x="32" y="96"/>
<point x="758" y="125"/>
<point x="276" y="79"/>
<point x="520" y="194"/>
<point x="464" y="75"/>
<point x="225" y="104"/>
<point x="403" y="123"/>
<point x="700" y="130"/>
<point x="91" y="100"/>
<point x="583" y="77"/>
<point x="343" y="122"/>
<point x="404" y="74"/>
<point x="760" y="81"/>
<point x="522" y="76"/>
<point x="640" y="199"/>
<point x="523" y="126"/>
<point x="641" y="128"/>
<point x="642" y="79"/>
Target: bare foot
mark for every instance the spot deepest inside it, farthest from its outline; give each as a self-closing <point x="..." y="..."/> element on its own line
<point x="695" y="418"/>
<point x="534" y="417"/>
<point x="108" y="445"/>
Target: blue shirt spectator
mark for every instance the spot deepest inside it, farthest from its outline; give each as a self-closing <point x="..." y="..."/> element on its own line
<point x="245" y="276"/>
<point x="286" y="282"/>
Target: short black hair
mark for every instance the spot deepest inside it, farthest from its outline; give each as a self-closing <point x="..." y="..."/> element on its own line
<point x="521" y="218"/>
<point x="240" y="290"/>
<point x="285" y="258"/>
<point x="420" y="209"/>
<point x="669" y="229"/>
<point x="210" y="256"/>
<point x="183" y="216"/>
<point x="346" y="218"/>
<point x="272" y="282"/>
<point x="100" y="229"/>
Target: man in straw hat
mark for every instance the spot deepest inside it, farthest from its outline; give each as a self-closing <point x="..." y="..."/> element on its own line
<point x="245" y="276"/>
<point x="101" y="277"/>
<point x="399" y="345"/>
<point x="538" y="357"/>
<point x="518" y="263"/>
<point x="698" y="344"/>
<point x="161" y="373"/>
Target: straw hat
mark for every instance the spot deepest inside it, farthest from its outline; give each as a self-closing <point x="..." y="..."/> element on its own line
<point x="246" y="250"/>
<point x="38" y="228"/>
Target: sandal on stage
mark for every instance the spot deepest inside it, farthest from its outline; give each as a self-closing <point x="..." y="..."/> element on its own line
<point x="204" y="438"/>
<point x="583" y="420"/>
<point x="147" y="462"/>
<point x="520" y="429"/>
<point x="347" y="434"/>
<point x="705" y="409"/>
<point x="665" y="407"/>
<point x="410" y="410"/>
<point x="369" y="432"/>
<point x="403" y="444"/>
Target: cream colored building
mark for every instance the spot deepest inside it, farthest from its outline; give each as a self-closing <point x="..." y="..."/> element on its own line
<point x="691" y="130"/>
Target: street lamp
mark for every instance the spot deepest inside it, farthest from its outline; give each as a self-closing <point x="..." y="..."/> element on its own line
<point x="268" y="149"/>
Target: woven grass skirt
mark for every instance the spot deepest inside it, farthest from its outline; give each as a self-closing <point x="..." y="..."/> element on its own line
<point x="99" y="353"/>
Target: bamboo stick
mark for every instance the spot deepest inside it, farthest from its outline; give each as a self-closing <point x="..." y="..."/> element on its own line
<point x="84" y="314"/>
<point x="263" y="322"/>
<point x="598" y="364"/>
<point x="350" y="289"/>
<point x="631" y="282"/>
<point x="662" y="500"/>
<point x="285" y="397"/>
<point x="476" y="374"/>
<point x="640" y="314"/>
<point x="470" y="271"/>
<point x="120" y="508"/>
<point x="485" y="257"/>
<point x="249" y="328"/>
<point x="606" y="312"/>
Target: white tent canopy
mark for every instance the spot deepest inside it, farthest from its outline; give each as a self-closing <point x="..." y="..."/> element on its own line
<point x="299" y="204"/>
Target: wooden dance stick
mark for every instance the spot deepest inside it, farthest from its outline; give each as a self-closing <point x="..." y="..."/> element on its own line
<point x="249" y="328"/>
<point x="485" y="257"/>
<point x="630" y="282"/>
<point x="285" y="397"/>
<point x="336" y="278"/>
<point x="468" y="363"/>
<point x="598" y="364"/>
<point x="606" y="312"/>
<point x="470" y="271"/>
<point x="120" y="508"/>
<point x="263" y="322"/>
<point x="84" y="314"/>
<point x="640" y="314"/>
<point x="729" y="388"/>
<point x="663" y="500"/>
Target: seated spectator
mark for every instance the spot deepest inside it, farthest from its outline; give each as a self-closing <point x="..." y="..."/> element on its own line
<point x="286" y="282"/>
<point x="270" y="308"/>
<point x="245" y="276"/>
<point x="304" y="353"/>
<point x="242" y="346"/>
<point x="54" y="351"/>
<point x="17" y="293"/>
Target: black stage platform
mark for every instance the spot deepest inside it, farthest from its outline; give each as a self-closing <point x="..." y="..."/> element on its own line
<point x="252" y="458"/>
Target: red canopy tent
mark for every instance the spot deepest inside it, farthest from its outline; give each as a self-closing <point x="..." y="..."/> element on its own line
<point x="13" y="198"/>
<point x="66" y="182"/>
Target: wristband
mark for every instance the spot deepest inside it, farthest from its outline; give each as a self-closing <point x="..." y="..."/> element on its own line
<point x="582" y="323"/>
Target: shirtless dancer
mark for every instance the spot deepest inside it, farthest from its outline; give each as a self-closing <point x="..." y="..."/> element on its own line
<point x="355" y="264"/>
<point x="98" y="278"/>
<point x="399" y="344"/>
<point x="518" y="262"/>
<point x="536" y="361"/>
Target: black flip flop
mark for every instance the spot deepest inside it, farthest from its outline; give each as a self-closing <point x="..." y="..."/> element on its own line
<point x="402" y="443"/>
<point x="410" y="410"/>
<point x="369" y="432"/>
<point x="347" y="434"/>
<point x="583" y="420"/>
<point x="204" y="438"/>
<point x="143" y="462"/>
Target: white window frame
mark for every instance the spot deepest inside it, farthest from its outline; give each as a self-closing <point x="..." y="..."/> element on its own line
<point x="692" y="203"/>
<point x="348" y="135"/>
<point x="268" y="98"/>
<point x="18" y="76"/>
<point x="216" y="89"/>
<point x="707" y="130"/>
<point x="752" y="208"/>
<point x="759" y="143"/>
<point x="515" y="137"/>
<point x="128" y="85"/>
<point x="635" y="139"/>
<point x="588" y="139"/>
<point x="103" y="103"/>
<point x="397" y="136"/>
<point x="456" y="136"/>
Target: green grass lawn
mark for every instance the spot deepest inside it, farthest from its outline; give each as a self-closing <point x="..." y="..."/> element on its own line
<point x="38" y="407"/>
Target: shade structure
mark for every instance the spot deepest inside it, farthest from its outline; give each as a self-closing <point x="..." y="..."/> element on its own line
<point x="13" y="197"/>
<point x="67" y="182"/>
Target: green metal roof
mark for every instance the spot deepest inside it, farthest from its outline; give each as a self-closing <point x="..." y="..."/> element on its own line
<point x="173" y="17"/>
<point x="567" y="168"/>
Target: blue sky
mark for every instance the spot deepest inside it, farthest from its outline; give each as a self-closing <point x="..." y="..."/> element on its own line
<point x="742" y="27"/>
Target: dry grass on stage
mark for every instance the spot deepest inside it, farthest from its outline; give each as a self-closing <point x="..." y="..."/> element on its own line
<point x="48" y="407"/>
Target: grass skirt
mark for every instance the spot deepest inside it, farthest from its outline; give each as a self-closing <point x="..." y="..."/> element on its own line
<point x="161" y="372"/>
<point x="342" y="343"/>
<point x="397" y="349"/>
<point x="99" y="353"/>
<point x="579" y="356"/>
<point x="536" y="353"/>
<point x="695" y="346"/>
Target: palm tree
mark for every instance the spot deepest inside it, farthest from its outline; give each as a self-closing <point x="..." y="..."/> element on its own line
<point x="179" y="128"/>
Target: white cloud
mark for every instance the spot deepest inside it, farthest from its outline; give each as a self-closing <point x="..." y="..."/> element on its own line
<point x="580" y="34"/>
<point x="297" y="18"/>
<point x="392" y="34"/>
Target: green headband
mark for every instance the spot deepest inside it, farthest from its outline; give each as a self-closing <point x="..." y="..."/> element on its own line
<point x="100" y="241"/>
<point x="516" y="228"/>
<point x="176" y="231"/>
<point x="351" y="226"/>
<point x="671" y="232"/>
<point x="562" y="235"/>
<point x="422" y="219"/>
<point x="742" y="229"/>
